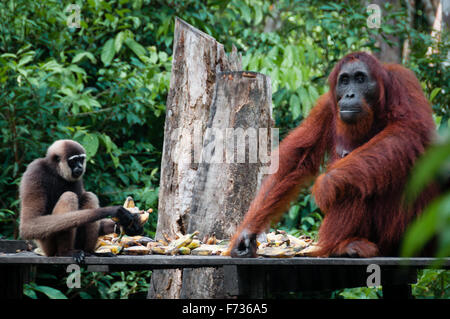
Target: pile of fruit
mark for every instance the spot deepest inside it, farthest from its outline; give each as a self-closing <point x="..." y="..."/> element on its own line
<point x="140" y="245"/>
<point x="190" y="244"/>
<point x="276" y="244"/>
<point x="122" y="244"/>
<point x="279" y="244"/>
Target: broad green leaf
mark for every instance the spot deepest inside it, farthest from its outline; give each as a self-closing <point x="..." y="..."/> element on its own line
<point x="163" y="56"/>
<point x="80" y="56"/>
<point x="246" y="12"/>
<point x="426" y="168"/>
<point x="90" y="143"/>
<point x="120" y="37"/>
<point x="294" y="106"/>
<point x="349" y="41"/>
<point x="259" y="15"/>
<point x="138" y="49"/>
<point x="434" y="93"/>
<point x="435" y="217"/>
<point x="85" y="295"/>
<point x="25" y="60"/>
<point x="305" y="100"/>
<point x="50" y="292"/>
<point x="76" y="69"/>
<point x="153" y="58"/>
<point x="8" y="55"/>
<point x="293" y="212"/>
<point x="29" y="292"/>
<point x="108" y="52"/>
<point x="313" y="94"/>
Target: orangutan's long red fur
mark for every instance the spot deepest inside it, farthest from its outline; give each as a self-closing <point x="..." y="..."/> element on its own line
<point x="361" y="194"/>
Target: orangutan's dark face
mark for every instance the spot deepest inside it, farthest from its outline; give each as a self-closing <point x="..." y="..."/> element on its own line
<point x="356" y="90"/>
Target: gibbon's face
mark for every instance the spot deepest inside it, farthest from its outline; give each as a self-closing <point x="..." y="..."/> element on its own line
<point x="77" y="165"/>
<point x="69" y="158"/>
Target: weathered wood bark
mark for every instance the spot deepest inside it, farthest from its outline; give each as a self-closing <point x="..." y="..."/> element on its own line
<point x="197" y="58"/>
<point x="227" y="177"/>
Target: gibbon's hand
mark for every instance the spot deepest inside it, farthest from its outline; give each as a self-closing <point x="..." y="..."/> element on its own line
<point x="79" y="257"/>
<point x="130" y="222"/>
<point x="245" y="246"/>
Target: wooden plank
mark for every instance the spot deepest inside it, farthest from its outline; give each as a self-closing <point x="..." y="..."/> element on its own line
<point x="162" y="261"/>
<point x="245" y="278"/>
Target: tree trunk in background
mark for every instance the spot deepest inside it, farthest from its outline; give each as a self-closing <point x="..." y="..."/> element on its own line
<point x="446" y="13"/>
<point x="197" y="59"/>
<point x="223" y="191"/>
<point x="387" y="53"/>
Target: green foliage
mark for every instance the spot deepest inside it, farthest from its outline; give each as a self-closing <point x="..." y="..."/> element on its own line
<point x="435" y="220"/>
<point x="85" y="85"/>
<point x="120" y="285"/>
<point x="117" y="285"/>
<point x="303" y="218"/>
<point x="432" y="283"/>
<point x="105" y="85"/>
<point x="31" y="290"/>
<point x="361" y="293"/>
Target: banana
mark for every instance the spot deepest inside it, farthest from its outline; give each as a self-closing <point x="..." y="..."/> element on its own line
<point x="126" y="241"/>
<point x="201" y="252"/>
<point x="277" y="238"/>
<point x="102" y="242"/>
<point x="310" y="251"/>
<point x="129" y="202"/>
<point x="152" y="244"/>
<point x="159" y="250"/>
<point x="184" y="250"/>
<point x="297" y="242"/>
<point x="163" y="242"/>
<point x="194" y="244"/>
<point x="115" y="249"/>
<point x="39" y="251"/>
<point x="167" y="238"/>
<point x="143" y="240"/>
<point x="276" y="252"/>
<point x="212" y="240"/>
<point x="223" y="242"/>
<point x="137" y="250"/>
<point x="182" y="241"/>
<point x="206" y="250"/>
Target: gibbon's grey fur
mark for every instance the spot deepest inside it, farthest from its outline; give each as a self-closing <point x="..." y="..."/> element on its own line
<point x="56" y="210"/>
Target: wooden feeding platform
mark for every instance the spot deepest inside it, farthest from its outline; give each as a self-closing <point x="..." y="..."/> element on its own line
<point x="243" y="277"/>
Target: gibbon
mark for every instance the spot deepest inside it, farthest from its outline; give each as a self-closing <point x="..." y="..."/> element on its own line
<point x="58" y="213"/>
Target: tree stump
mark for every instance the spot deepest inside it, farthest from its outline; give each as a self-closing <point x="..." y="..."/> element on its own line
<point x="201" y="187"/>
<point x="227" y="177"/>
